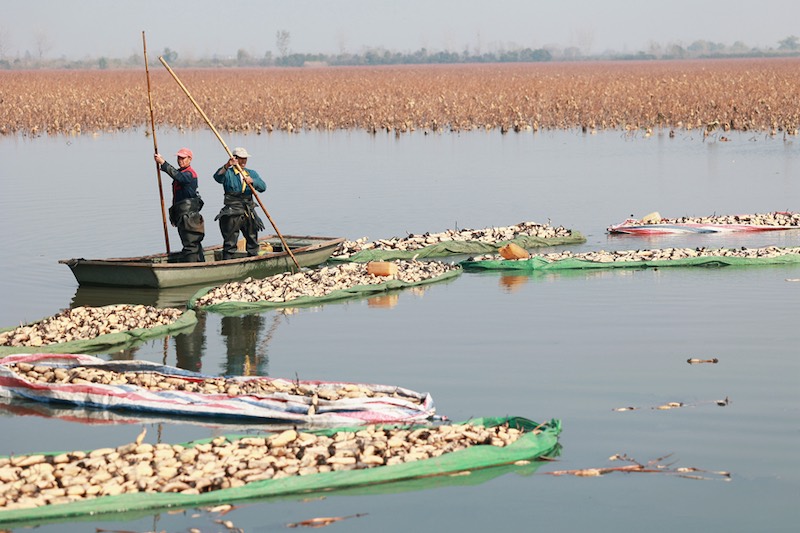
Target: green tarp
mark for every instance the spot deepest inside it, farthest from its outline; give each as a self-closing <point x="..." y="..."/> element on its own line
<point x="539" y="264"/>
<point x="111" y="342"/>
<point x="446" y="248"/>
<point x="529" y="446"/>
<point x="474" y="478"/>
<point x="234" y="308"/>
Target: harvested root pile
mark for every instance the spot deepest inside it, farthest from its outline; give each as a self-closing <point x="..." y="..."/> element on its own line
<point x="87" y="323"/>
<point x="29" y="481"/>
<point x="663" y="254"/>
<point x="486" y="235"/>
<point x="779" y="218"/>
<point x="231" y="386"/>
<point x="317" y="283"/>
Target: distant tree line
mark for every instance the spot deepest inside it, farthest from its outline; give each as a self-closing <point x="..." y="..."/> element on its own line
<point x="700" y="49"/>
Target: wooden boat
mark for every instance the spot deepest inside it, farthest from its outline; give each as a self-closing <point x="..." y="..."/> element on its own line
<point x="162" y="270"/>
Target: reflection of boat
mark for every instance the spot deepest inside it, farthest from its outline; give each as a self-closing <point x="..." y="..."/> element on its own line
<point x="99" y="296"/>
<point x="159" y="270"/>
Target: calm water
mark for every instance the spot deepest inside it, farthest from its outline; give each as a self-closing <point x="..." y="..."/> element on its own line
<point x="572" y="346"/>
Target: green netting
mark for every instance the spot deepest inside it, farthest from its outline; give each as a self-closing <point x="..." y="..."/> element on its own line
<point x="446" y="248"/>
<point x="529" y="446"/>
<point x="235" y="308"/>
<point x="539" y="264"/>
<point x="472" y="478"/>
<point x="113" y="341"/>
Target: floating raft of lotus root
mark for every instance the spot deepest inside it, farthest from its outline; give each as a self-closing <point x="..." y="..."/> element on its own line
<point x="779" y="220"/>
<point x="457" y="242"/>
<point x="152" y="388"/>
<point x="95" y="329"/>
<point x="312" y="287"/>
<point x="227" y="469"/>
<point x="665" y="257"/>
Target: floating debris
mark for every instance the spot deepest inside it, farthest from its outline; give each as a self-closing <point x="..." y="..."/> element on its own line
<point x="655" y="466"/>
<point x="323" y="521"/>
<point x="676" y="405"/>
<point x="695" y="361"/>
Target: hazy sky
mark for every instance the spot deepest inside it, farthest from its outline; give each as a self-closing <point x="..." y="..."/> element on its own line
<point x="196" y="28"/>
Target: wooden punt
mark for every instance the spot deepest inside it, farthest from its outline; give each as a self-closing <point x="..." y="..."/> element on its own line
<point x="162" y="270"/>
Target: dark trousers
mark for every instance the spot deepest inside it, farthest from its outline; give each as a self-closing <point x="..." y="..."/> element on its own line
<point x="230" y="226"/>
<point x="192" y="245"/>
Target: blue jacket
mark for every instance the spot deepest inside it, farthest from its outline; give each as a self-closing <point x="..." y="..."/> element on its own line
<point x="233" y="184"/>
<point x="184" y="182"/>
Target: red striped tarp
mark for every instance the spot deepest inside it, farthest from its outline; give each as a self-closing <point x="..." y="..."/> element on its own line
<point x="396" y="404"/>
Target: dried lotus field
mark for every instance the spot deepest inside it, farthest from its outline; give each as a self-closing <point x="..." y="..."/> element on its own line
<point x="711" y="95"/>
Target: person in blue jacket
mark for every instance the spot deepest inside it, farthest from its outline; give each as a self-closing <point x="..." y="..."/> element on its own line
<point x="238" y="214"/>
<point x="186" y="205"/>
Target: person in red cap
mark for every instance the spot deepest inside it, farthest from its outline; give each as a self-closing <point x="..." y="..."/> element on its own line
<point x="186" y="205"/>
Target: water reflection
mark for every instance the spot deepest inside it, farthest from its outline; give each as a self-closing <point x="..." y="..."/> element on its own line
<point x="384" y="301"/>
<point x="511" y="283"/>
<point x="129" y="353"/>
<point x="246" y="349"/>
<point x="189" y="347"/>
<point x="92" y="416"/>
<point x="90" y="296"/>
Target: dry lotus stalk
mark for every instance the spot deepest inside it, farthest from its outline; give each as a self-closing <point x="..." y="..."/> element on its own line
<point x="677" y="405"/>
<point x="323" y="521"/>
<point x="691" y="96"/>
<point x="655" y="466"/>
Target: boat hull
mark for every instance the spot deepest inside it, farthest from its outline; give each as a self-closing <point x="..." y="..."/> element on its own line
<point x="157" y="271"/>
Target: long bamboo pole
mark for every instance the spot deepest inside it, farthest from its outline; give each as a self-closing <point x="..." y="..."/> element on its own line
<point x="230" y="156"/>
<point x="155" y="145"/>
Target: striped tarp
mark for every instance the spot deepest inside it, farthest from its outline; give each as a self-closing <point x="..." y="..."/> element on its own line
<point x="397" y="404"/>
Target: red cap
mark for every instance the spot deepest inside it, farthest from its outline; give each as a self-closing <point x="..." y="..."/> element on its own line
<point x="184" y="152"/>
